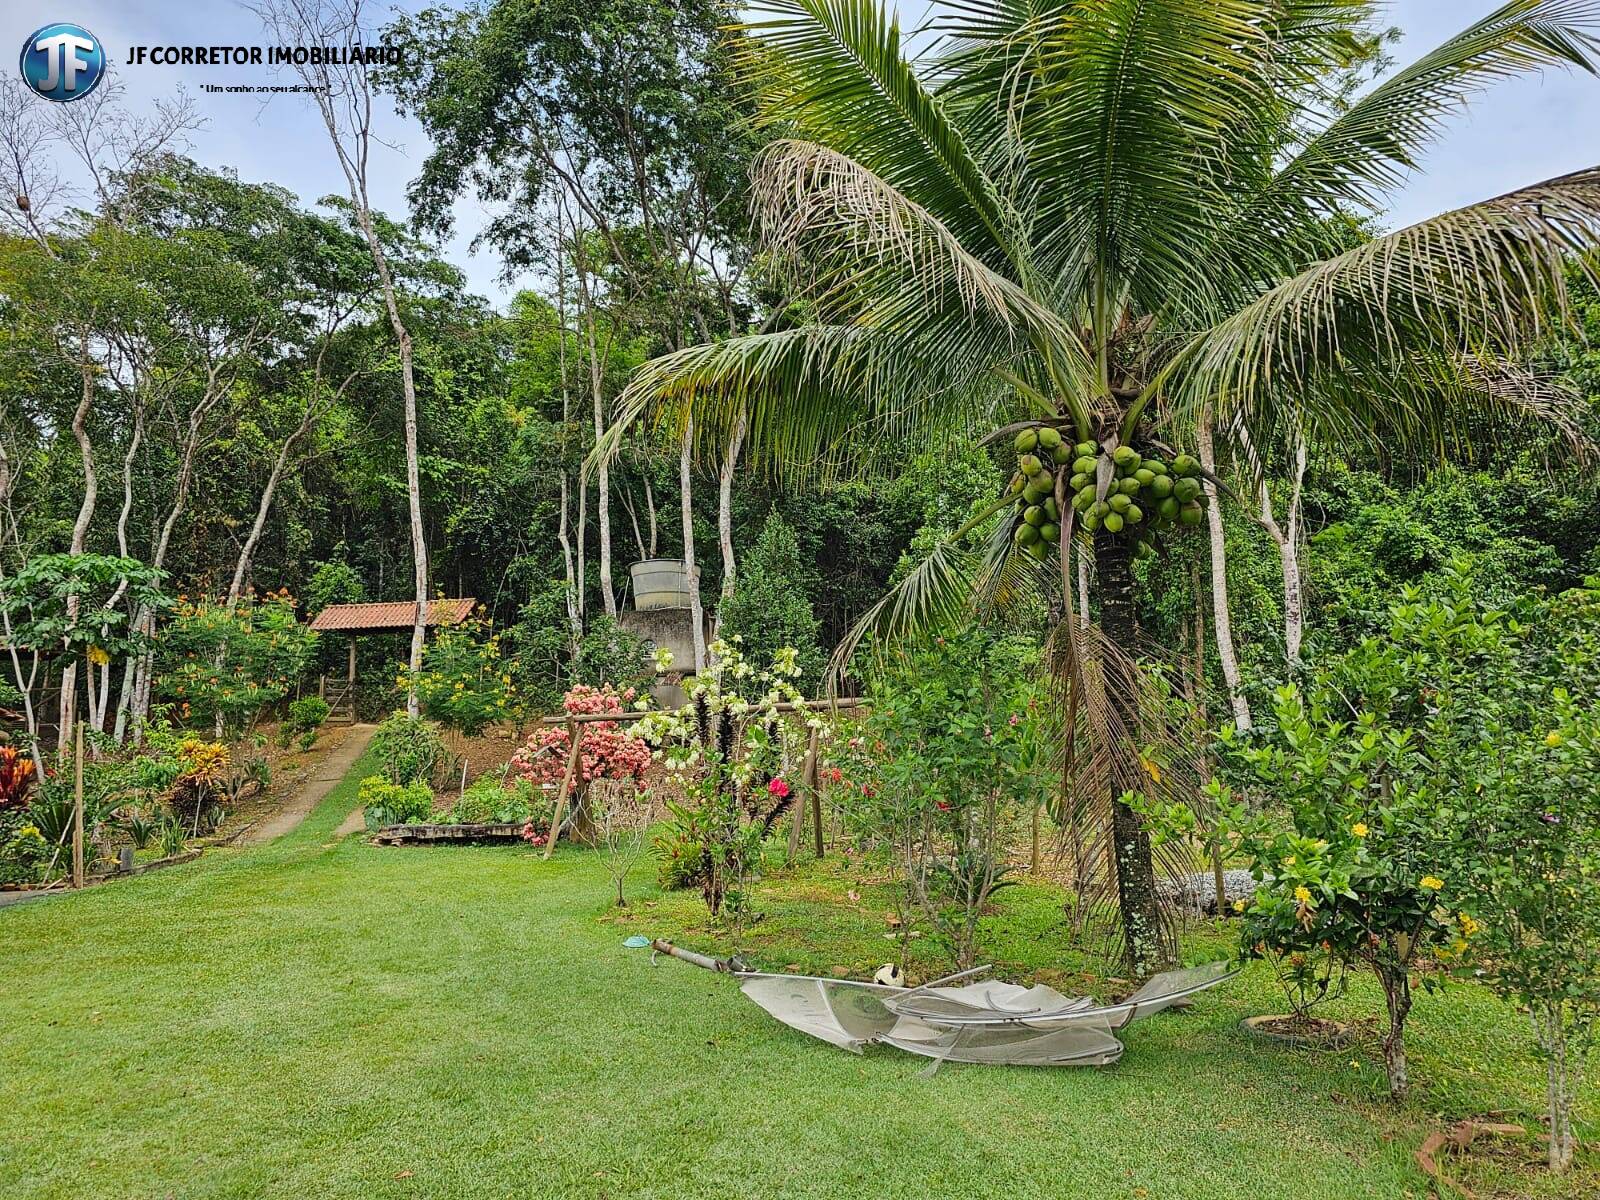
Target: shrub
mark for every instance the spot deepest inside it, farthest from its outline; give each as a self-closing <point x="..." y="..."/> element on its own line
<point x="463" y="681"/>
<point x="607" y="750"/>
<point x="307" y="714"/>
<point x="612" y="658"/>
<point x="203" y="772"/>
<point x="16" y="778"/>
<point x="491" y="800"/>
<point x="24" y="852"/>
<point x="387" y="803"/>
<point x="950" y="762"/>
<point x="408" y="747"/>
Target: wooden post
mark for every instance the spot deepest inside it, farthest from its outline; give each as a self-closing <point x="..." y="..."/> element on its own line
<point x="1034" y="866"/>
<point x="568" y="779"/>
<point x="813" y="787"/>
<point x="807" y="786"/>
<point x="77" y="808"/>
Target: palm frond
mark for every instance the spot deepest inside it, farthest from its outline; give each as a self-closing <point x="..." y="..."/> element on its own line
<point x="1369" y="148"/>
<point x="833" y="70"/>
<point x="1426" y="305"/>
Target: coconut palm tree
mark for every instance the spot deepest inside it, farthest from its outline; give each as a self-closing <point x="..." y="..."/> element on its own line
<point x="1121" y="219"/>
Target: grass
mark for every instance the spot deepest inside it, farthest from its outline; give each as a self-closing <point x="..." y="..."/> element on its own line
<point x="322" y="1018"/>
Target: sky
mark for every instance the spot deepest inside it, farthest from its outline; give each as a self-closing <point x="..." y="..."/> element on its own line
<point x="1524" y="130"/>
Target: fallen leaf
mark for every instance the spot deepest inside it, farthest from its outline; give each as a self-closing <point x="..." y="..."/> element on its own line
<point x="403" y="1175"/>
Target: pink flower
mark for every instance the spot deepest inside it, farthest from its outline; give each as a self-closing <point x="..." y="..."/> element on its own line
<point x="778" y="788"/>
<point x="1016" y="719"/>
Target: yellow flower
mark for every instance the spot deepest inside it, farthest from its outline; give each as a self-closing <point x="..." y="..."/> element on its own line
<point x="1238" y="906"/>
<point x="1289" y="862"/>
<point x="1432" y="882"/>
<point x="1468" y="925"/>
<point x="1303" y="894"/>
<point x="98" y="656"/>
<point x="1359" y="829"/>
<point x="1552" y="738"/>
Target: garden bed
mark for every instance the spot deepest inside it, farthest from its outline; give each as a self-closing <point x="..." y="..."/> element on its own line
<point x="400" y="835"/>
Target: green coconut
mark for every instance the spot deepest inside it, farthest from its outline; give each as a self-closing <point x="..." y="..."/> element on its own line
<point x="1085" y="465"/>
<point x="1049" y="438"/>
<point x="1091" y="522"/>
<point x="1051" y="508"/>
<point x="1126" y="457"/>
<point x="1154" y="465"/>
<point x="1025" y="535"/>
<point x="1050" y="533"/>
<point x="1191" y="514"/>
<point x="1026" y="441"/>
<point x="1113" y="522"/>
<point x="1038" y="550"/>
<point x="1145" y="476"/>
<point x="1087" y="449"/>
<point x="1120" y="503"/>
<point x="1101" y="508"/>
<point x="1134" y="515"/>
<point x="1033" y="515"/>
<point x="1061" y="455"/>
<point x="1186" y="465"/>
<point x="1161" y="486"/>
<point x="1129" y="486"/>
<point x="1168" y="508"/>
<point x="1186" y="490"/>
<point x="1030" y="464"/>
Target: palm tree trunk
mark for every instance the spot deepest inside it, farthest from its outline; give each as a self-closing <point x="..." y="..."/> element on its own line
<point x="1135" y="867"/>
<point x="1219" y="582"/>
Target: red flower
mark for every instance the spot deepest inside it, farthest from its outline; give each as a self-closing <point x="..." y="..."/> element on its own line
<point x="778" y="788"/>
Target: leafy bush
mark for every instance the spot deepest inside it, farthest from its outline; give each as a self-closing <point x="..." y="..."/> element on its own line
<point x="951" y="759"/>
<point x="307" y="714"/>
<point x="464" y="681"/>
<point x="769" y="609"/>
<point x="203" y="773"/>
<point x="24" y="852"/>
<point x="491" y="800"/>
<point x="228" y="665"/>
<point x="387" y="803"/>
<point x="408" y="747"/>
<point x="16" y="778"/>
<point x="612" y="658"/>
<point x="607" y="750"/>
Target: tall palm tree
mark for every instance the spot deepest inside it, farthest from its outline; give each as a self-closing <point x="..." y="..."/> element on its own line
<point x="1119" y="219"/>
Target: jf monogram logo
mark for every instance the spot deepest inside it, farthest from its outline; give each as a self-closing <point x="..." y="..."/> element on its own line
<point x="63" y="62"/>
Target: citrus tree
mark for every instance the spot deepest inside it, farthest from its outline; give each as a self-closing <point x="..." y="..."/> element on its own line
<point x="1111" y="226"/>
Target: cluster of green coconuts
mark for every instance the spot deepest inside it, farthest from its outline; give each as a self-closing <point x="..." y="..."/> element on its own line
<point x="1145" y="495"/>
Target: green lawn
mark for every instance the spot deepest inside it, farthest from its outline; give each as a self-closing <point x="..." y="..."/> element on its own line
<point x="320" y="1018"/>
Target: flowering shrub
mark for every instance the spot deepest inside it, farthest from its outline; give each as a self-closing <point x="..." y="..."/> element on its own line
<point x="227" y="665"/>
<point x="606" y="750"/>
<point x="949" y="761"/>
<point x="728" y="752"/>
<point x="464" y="681"/>
<point x="202" y="769"/>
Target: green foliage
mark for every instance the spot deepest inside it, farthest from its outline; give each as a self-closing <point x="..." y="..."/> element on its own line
<point x="39" y="600"/>
<point x="769" y="608"/>
<point x="464" y="681"/>
<point x="307" y="714"/>
<point x="493" y="800"/>
<point x="388" y="803"/>
<point x="218" y="663"/>
<point x="408" y="748"/>
<point x="24" y="852"/>
<point x="333" y="582"/>
<point x="951" y="759"/>
<point x="614" y="657"/>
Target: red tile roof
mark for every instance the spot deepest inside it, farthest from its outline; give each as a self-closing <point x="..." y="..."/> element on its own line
<point x="397" y="614"/>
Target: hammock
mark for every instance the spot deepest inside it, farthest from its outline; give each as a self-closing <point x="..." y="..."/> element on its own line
<point x="978" y="1022"/>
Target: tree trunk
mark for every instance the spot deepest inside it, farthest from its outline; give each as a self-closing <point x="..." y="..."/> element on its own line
<point x="1397" y="996"/>
<point x="1286" y="537"/>
<point x="1219" y="582"/>
<point x="1561" y="1085"/>
<point x="685" y="485"/>
<point x="725" y="507"/>
<point x="80" y="533"/>
<point x="1143" y="944"/>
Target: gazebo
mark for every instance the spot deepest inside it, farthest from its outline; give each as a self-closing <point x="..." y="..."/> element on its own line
<point x="391" y="616"/>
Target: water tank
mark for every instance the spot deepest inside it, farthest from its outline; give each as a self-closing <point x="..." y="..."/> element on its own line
<point x="660" y="583"/>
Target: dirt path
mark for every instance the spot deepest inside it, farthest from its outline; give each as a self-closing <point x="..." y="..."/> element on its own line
<point x="331" y="770"/>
